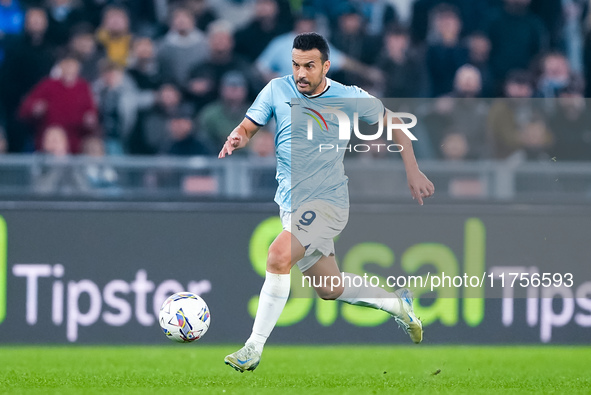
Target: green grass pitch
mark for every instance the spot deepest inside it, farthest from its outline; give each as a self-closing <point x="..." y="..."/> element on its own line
<point x="385" y="369"/>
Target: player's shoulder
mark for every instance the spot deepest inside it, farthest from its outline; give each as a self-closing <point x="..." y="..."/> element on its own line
<point x="286" y="80"/>
<point x="280" y="83"/>
<point x="281" y="86"/>
<point x="348" y="90"/>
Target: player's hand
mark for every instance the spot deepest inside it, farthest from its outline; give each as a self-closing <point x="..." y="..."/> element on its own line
<point x="420" y="186"/>
<point x="234" y="141"/>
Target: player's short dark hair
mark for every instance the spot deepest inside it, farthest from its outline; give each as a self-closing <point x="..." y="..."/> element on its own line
<point x="310" y="41"/>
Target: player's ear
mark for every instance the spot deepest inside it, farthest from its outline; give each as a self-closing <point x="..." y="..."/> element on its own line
<point x="326" y="67"/>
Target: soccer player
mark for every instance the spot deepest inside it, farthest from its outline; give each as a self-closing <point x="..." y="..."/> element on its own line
<point x="317" y="202"/>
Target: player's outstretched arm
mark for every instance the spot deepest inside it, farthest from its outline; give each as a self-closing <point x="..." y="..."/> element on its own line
<point x="420" y="186"/>
<point x="239" y="137"/>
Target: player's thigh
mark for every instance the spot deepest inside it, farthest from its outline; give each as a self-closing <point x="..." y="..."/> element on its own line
<point x="315" y="223"/>
<point x="325" y="276"/>
<point x="284" y="252"/>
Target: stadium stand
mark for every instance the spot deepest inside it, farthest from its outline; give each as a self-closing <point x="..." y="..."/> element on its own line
<point x="164" y="74"/>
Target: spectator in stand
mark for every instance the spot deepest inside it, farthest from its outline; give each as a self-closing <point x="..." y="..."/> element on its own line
<point x="467" y="82"/>
<point x="54" y="174"/>
<point x="403" y="10"/>
<point x="571" y="124"/>
<point x="64" y="101"/>
<point x="3" y="142"/>
<point x="262" y="145"/>
<point x="516" y="126"/>
<point x="468" y="117"/>
<point x="518" y="85"/>
<point x="97" y="174"/>
<point x="119" y="101"/>
<point x="262" y="148"/>
<point x="474" y="15"/>
<point x="55" y="142"/>
<point x="252" y="39"/>
<point x="350" y="38"/>
<point x="83" y="46"/>
<point x="47" y="178"/>
<point x="224" y="114"/>
<point x="143" y="13"/>
<point x="552" y="15"/>
<point x="204" y="80"/>
<point x="183" y="47"/>
<point x="150" y="133"/>
<point x="555" y="75"/>
<point x="404" y="70"/>
<point x="536" y="139"/>
<point x="446" y="54"/>
<point x="203" y="13"/>
<point x="454" y="146"/>
<point x="12" y="19"/>
<point x="182" y="138"/>
<point x="63" y="16"/>
<point x="571" y="33"/>
<point x="479" y="57"/>
<point x="143" y="65"/>
<point x="275" y="60"/>
<point x="28" y="59"/>
<point x="455" y="123"/>
<point x="114" y="34"/>
<point x="378" y="14"/>
<point x="516" y="37"/>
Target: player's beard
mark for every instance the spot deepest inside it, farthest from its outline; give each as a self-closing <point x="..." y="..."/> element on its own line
<point x="311" y="88"/>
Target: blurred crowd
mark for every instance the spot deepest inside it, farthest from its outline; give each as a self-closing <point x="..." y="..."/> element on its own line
<point x="174" y="77"/>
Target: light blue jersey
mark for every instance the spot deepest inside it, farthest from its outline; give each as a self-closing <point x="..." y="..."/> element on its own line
<point x="305" y="173"/>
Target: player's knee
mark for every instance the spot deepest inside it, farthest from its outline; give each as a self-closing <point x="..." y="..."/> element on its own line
<point x="278" y="260"/>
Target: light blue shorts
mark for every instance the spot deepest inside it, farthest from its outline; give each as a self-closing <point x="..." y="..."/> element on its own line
<point x="315" y="224"/>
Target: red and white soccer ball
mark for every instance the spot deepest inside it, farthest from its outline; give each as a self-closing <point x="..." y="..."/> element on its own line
<point x="184" y="317"/>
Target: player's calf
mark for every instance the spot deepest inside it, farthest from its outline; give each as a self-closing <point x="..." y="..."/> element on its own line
<point x="329" y="292"/>
<point x="327" y="289"/>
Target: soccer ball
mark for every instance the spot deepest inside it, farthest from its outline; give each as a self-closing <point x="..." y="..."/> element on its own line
<point x="184" y="317"/>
